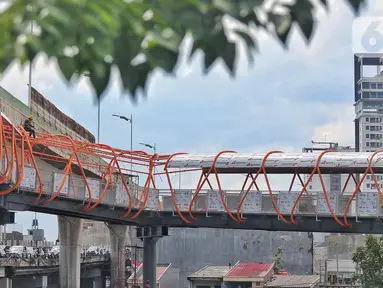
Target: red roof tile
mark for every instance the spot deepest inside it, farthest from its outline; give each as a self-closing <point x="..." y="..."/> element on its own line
<point x="159" y="272"/>
<point x="249" y="270"/>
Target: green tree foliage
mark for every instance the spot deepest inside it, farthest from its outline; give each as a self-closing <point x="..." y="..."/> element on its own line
<point x="139" y="36"/>
<point x="369" y="260"/>
<point x="278" y="265"/>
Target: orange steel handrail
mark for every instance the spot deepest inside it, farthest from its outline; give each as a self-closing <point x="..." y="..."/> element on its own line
<point x="253" y="182"/>
<point x="30" y="150"/>
<point x="202" y="181"/>
<point x="64" y="142"/>
<point x="171" y="186"/>
<point x="8" y="171"/>
<point x="316" y="170"/>
<point x="213" y="167"/>
<point x="147" y="188"/>
<point x="369" y="170"/>
<point x="67" y="170"/>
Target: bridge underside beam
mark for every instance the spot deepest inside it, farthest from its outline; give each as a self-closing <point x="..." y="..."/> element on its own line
<point x="269" y="222"/>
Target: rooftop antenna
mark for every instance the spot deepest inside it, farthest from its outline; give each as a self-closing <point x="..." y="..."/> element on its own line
<point x="35" y="223"/>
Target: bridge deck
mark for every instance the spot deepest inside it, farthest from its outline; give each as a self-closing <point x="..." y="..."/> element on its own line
<point x="30" y="183"/>
<point x="305" y="221"/>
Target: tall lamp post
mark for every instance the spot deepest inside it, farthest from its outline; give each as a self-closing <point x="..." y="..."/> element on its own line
<point x="30" y="80"/>
<point x="98" y="119"/>
<point x="131" y="133"/>
<point x="149" y="146"/>
<point x="154" y="152"/>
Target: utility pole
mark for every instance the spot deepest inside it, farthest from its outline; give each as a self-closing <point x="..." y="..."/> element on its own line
<point x="337" y="269"/>
<point x="98" y="119"/>
<point x="131" y="135"/>
<point x="30" y="80"/>
<point x="325" y="273"/>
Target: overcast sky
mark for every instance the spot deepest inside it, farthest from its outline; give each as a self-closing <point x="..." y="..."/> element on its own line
<point x="285" y="101"/>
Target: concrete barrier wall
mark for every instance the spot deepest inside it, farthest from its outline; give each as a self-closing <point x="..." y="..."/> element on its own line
<point x="343" y="246"/>
<point x="190" y="249"/>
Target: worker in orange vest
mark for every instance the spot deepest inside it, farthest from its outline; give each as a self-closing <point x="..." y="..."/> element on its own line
<point x="30" y="127"/>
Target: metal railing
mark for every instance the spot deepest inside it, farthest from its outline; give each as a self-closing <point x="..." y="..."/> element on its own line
<point x="210" y="201"/>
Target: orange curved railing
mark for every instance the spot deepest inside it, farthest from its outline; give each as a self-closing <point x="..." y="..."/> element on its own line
<point x="316" y="170"/>
<point x="18" y="150"/>
<point x="369" y="170"/>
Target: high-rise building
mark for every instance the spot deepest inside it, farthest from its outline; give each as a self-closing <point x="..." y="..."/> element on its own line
<point x="368" y="81"/>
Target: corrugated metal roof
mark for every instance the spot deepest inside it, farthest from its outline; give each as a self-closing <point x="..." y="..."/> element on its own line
<point x="249" y="270"/>
<point x="293" y="281"/>
<point x="211" y="272"/>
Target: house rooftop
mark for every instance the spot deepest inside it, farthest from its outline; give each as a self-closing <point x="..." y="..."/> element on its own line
<point x="211" y="272"/>
<point x="249" y="270"/>
<point x="160" y="271"/>
<point x="293" y="281"/>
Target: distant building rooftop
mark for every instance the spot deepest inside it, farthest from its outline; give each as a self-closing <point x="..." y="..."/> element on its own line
<point x="293" y="281"/>
<point x="250" y="270"/>
<point x="160" y="271"/>
<point x="210" y="272"/>
<point x="342" y="266"/>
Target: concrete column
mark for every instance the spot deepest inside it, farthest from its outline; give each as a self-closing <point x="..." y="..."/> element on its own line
<point x="70" y="262"/>
<point x="150" y="260"/>
<point x="93" y="283"/>
<point x="9" y="283"/>
<point x="117" y="257"/>
<point x="44" y="281"/>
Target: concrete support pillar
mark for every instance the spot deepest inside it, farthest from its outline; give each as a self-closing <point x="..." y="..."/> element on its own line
<point x="44" y="281"/>
<point x="150" y="261"/>
<point x="93" y="283"/>
<point x="9" y="283"/>
<point x="70" y="251"/>
<point x="117" y="257"/>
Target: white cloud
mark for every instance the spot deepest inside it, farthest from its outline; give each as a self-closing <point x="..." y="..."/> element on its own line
<point x="339" y="128"/>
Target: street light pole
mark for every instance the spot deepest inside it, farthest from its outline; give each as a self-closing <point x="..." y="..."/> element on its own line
<point x="98" y="119"/>
<point x="154" y="152"/>
<point x="131" y="133"/>
<point x="150" y="146"/>
<point x="30" y="80"/>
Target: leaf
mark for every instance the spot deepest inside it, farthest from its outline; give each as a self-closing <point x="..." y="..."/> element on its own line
<point x="229" y="53"/>
<point x="67" y="66"/>
<point x="162" y="57"/>
<point x="355" y="4"/>
<point x="251" y="45"/>
<point x="216" y="45"/>
<point x="301" y="12"/>
<point x="324" y="3"/>
<point x="99" y="77"/>
<point x="282" y="24"/>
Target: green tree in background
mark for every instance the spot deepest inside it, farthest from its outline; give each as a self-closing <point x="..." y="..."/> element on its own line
<point x="139" y="36"/>
<point x="278" y="262"/>
<point x="369" y="260"/>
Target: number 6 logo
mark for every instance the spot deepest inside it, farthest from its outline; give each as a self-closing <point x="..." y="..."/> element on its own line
<point x="367" y="35"/>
